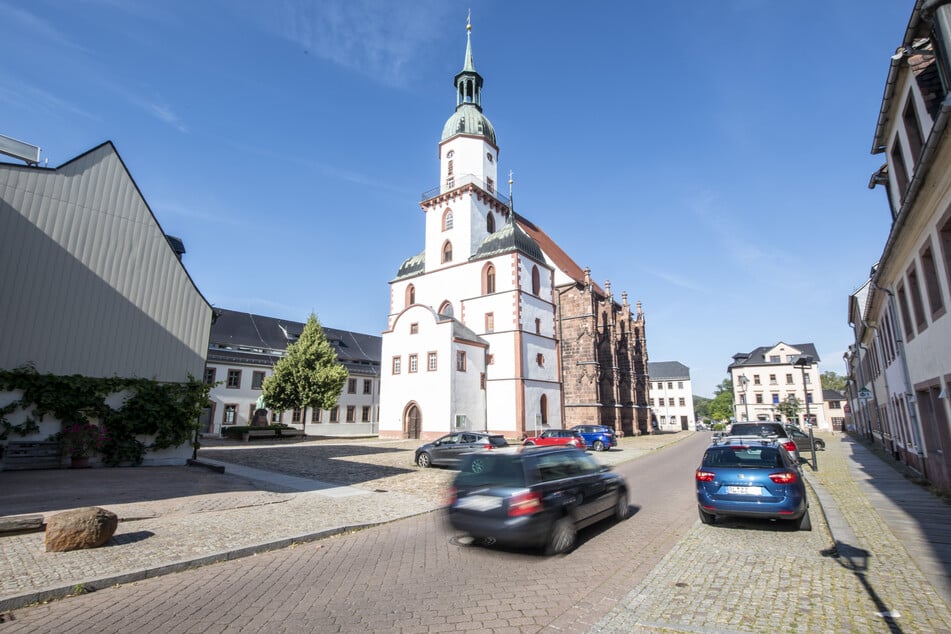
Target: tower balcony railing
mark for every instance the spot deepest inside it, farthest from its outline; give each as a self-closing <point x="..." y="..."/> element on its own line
<point x="455" y="182"/>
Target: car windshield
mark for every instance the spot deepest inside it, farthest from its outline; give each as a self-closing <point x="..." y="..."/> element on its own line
<point x="742" y="456"/>
<point x="490" y="469"/>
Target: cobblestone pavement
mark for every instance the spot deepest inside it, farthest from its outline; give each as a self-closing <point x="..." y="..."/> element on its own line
<point x="222" y="516"/>
<point x="754" y="577"/>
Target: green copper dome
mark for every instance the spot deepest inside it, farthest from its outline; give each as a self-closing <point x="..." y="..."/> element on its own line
<point x="468" y="119"/>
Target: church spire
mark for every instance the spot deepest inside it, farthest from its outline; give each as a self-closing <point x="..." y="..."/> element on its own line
<point x="468" y="81"/>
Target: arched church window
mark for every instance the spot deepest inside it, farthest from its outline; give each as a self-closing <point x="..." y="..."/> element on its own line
<point x="489" y="280"/>
<point x="446" y="309"/>
<point x="490" y="223"/>
<point x="450" y="154"/>
<point x="410" y="295"/>
<point x="447" y="220"/>
<point x="543" y="408"/>
<point x="536" y="281"/>
<point x="489" y="157"/>
<point x="447" y="252"/>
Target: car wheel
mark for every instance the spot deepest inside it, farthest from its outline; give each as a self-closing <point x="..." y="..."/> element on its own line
<point x="804" y="523"/>
<point x="820" y="445"/>
<point x="562" y="536"/>
<point x="620" y="506"/>
<point x="529" y="444"/>
<point x="424" y="460"/>
<point x="707" y="518"/>
<point x="598" y="445"/>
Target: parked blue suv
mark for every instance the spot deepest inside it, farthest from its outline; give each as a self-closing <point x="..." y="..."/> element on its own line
<point x="597" y="437"/>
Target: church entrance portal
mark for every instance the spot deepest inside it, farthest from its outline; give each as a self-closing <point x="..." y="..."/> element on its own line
<point x="412" y="422"/>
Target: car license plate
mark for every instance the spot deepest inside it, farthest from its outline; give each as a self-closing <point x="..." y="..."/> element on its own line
<point x="479" y="503"/>
<point x="744" y="490"/>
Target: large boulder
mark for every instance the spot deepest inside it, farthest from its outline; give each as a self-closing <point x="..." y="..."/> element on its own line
<point x="88" y="527"/>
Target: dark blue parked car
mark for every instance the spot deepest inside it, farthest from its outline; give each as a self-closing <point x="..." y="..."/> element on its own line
<point x="597" y="437"/>
<point x="743" y="477"/>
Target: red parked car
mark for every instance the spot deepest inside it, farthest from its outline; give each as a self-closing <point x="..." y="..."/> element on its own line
<point x="557" y="437"/>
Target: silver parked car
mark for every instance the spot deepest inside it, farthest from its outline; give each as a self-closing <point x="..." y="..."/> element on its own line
<point x="448" y="450"/>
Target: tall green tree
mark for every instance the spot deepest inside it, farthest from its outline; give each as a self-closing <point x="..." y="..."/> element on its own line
<point x="832" y="381"/>
<point x="308" y="375"/>
<point x="789" y="408"/>
<point x="721" y="407"/>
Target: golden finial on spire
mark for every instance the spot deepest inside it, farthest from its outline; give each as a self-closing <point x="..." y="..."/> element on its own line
<point x="511" y="180"/>
<point x="469" y="21"/>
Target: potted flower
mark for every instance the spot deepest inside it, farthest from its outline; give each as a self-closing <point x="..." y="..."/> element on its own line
<point x="78" y="440"/>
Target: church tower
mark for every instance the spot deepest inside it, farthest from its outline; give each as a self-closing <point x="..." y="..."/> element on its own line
<point x="470" y="343"/>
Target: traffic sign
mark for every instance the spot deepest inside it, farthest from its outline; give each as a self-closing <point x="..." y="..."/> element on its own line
<point x="865" y="394"/>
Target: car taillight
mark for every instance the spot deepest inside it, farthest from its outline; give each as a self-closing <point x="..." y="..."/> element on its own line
<point x="789" y="446"/>
<point x="453" y="496"/>
<point x="783" y="477"/>
<point x="527" y="503"/>
<point x="487" y="446"/>
<point x="705" y="476"/>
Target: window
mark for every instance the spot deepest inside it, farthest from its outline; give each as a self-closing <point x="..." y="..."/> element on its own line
<point x="450" y="154"/>
<point x="543" y="408"/>
<point x="809" y="397"/>
<point x="447" y="220"/>
<point x="489" y="157"/>
<point x="670" y="385"/>
<point x="490" y="185"/>
<point x="930" y="273"/>
<point x="538" y="326"/>
<point x="449" y="167"/>
<point x="536" y="281"/>
<point x="540" y="360"/>
<point x="772" y="379"/>
<point x="410" y="295"/>
<point x="490" y="322"/>
<point x="490" y="223"/>
<point x="335" y="414"/>
<point x="276" y="417"/>
<point x="461" y="361"/>
<point x="413" y="363"/>
<point x="755" y="379"/>
<point x="368" y="386"/>
<point x="482" y="380"/>
<point x="397" y="363"/>
<point x="912" y="131"/>
<point x="210" y="376"/>
<point x="296" y="415"/>
<point x="789" y="379"/>
<point x="897" y="166"/>
<point x="365" y="415"/>
<point x="315" y="415"/>
<point x="774" y="358"/>
<point x="414" y="329"/>
<point x="652" y="402"/>
<point x="234" y="379"/>
<point x="905" y="316"/>
<point x="944" y="240"/>
<point x="683" y="403"/>
<point x="257" y="380"/>
<point x="230" y="416"/>
<point x="351" y="413"/>
<point x="431" y="363"/>
<point x="914" y="290"/>
<point x="759" y="398"/>
<point x="447" y="252"/>
<point x="488" y="280"/>
<point x="351" y="386"/>
<point x="446" y="309"/>
<point x="680" y="386"/>
<point x="775" y="396"/>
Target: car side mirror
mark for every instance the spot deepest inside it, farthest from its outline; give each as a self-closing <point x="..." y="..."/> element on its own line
<point x="436" y="443"/>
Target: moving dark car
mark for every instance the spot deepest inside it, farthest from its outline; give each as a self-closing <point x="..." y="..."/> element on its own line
<point x="597" y="437"/>
<point x="534" y="496"/>
<point x="751" y="478"/>
<point x="448" y="450"/>
<point x="801" y="439"/>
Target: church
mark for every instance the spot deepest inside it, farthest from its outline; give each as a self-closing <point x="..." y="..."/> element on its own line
<point x="493" y="327"/>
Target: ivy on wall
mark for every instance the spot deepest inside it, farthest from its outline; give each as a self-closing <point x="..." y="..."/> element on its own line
<point x="166" y="411"/>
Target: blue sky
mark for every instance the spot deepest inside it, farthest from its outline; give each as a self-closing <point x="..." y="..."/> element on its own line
<point x="711" y="158"/>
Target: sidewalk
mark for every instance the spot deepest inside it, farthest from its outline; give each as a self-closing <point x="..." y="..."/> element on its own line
<point x="175" y="518"/>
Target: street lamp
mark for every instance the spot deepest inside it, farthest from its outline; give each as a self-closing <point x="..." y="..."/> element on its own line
<point x="746" y="401"/>
<point x="805" y="361"/>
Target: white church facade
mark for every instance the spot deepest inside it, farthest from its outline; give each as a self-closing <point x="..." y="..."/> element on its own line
<point x="471" y="341"/>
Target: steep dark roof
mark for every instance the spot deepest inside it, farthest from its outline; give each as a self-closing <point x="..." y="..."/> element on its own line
<point x="758" y="355"/>
<point x="259" y="340"/>
<point x="832" y="395"/>
<point x="510" y="238"/>
<point x="663" y="370"/>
